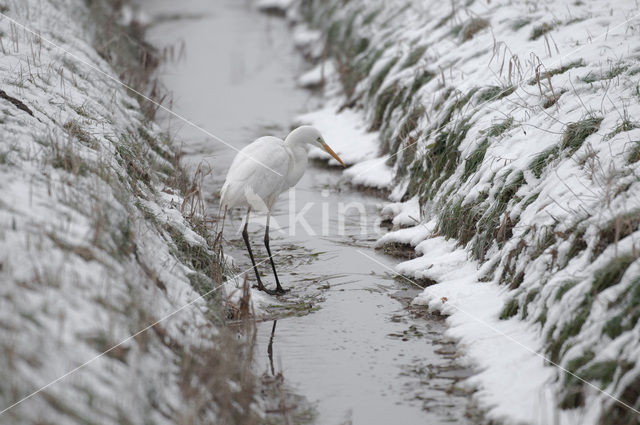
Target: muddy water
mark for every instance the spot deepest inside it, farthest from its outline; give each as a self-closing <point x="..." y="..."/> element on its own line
<point x="345" y="341"/>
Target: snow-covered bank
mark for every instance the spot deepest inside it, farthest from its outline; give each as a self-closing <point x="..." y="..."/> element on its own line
<point x="512" y="126"/>
<point x="94" y="243"/>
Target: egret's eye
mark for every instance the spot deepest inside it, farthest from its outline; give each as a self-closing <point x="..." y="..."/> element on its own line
<point x="319" y="140"/>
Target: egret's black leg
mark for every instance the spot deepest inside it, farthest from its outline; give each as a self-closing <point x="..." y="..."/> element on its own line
<point x="245" y="236"/>
<point x="279" y="289"/>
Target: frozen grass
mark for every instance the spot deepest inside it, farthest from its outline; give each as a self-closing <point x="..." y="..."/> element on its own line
<point x="540" y="30"/>
<point x="526" y="156"/>
<point x="510" y="309"/>
<point x="102" y="233"/>
<point x="547" y="74"/>
<point x="577" y="132"/>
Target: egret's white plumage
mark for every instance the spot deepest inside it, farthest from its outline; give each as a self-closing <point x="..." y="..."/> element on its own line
<point x="267" y="167"/>
<point x="266" y="178"/>
<point x="264" y="169"/>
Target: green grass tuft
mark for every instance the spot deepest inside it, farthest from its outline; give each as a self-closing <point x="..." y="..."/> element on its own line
<point x="508" y="191"/>
<point x="556" y="71"/>
<point x="624" y="126"/>
<point x="455" y="30"/>
<point x="474" y="160"/>
<point x="542" y="317"/>
<point x="517" y="280"/>
<point x="382" y="102"/>
<point x="573" y="393"/>
<point x="409" y="124"/>
<point x="495" y="226"/>
<point x="630" y="315"/>
<point x="454" y="106"/>
<point x="529" y="200"/>
<point x="461" y="102"/>
<point x="576" y="133"/>
<point x="368" y="19"/>
<point x="494" y="93"/>
<point x="540" y="30"/>
<point x="459" y="221"/>
<point x="420" y="80"/>
<point x="444" y="20"/>
<point x="531" y="295"/>
<point x="575" y="364"/>
<point x="378" y="79"/>
<point x="601" y="371"/>
<point x="498" y="129"/>
<point x="570" y="329"/>
<point x="349" y="53"/>
<point x="201" y="258"/>
<point x="414" y="56"/>
<point x="613" y="328"/>
<point x="564" y="288"/>
<point x="448" y="91"/>
<point x="616" y="229"/>
<point x="520" y="23"/>
<point x="613" y="72"/>
<point x="442" y="158"/>
<point x="615" y="413"/>
<point x="612" y="273"/>
<point x="472" y="27"/>
<point x="543" y="159"/>
<point x="578" y="244"/>
<point x="544" y="241"/>
<point x="510" y="309"/>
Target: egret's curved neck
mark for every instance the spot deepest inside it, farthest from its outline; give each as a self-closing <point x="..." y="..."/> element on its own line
<point x="299" y="147"/>
<point x="300" y="152"/>
<point x="293" y="139"/>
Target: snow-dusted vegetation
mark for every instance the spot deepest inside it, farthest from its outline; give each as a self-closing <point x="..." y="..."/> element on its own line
<point x="94" y="243"/>
<point x="510" y="135"/>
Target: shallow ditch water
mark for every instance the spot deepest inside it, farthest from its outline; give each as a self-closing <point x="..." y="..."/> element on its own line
<point x="345" y="345"/>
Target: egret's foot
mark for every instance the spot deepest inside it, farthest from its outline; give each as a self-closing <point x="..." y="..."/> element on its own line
<point x="261" y="287"/>
<point x="281" y="291"/>
<point x="278" y="291"/>
<point x="270" y="291"/>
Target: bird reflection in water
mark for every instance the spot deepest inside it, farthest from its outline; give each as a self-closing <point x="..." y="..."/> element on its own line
<point x="270" y="348"/>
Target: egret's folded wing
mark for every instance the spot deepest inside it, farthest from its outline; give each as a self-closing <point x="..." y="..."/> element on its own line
<point x="257" y="172"/>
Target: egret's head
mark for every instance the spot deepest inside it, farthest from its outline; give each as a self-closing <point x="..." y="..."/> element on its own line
<point x="307" y="134"/>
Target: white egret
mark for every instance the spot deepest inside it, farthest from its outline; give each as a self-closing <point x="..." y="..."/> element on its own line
<point x="260" y="172"/>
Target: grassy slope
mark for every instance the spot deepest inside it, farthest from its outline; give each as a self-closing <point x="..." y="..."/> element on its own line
<point x="523" y="146"/>
<point x="94" y="243"/>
